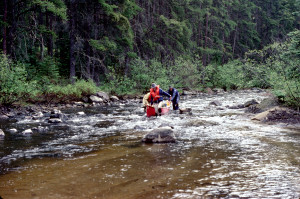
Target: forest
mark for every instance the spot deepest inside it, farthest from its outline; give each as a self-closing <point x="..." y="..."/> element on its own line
<point x="65" y="49"/>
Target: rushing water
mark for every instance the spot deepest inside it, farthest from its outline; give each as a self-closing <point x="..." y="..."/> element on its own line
<point x="219" y="153"/>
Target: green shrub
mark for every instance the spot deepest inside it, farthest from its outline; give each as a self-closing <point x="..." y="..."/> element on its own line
<point x="13" y="82"/>
<point x="72" y="91"/>
<point x="229" y="76"/>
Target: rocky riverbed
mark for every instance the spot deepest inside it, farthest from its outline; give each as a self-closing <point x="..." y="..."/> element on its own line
<point x="95" y="150"/>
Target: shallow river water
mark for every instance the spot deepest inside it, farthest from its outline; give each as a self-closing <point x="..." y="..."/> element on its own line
<point x="219" y="153"/>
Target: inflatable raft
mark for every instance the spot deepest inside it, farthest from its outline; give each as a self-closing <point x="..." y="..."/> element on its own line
<point x="163" y="110"/>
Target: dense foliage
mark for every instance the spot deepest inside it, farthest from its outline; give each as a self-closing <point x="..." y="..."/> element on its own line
<point x="124" y="45"/>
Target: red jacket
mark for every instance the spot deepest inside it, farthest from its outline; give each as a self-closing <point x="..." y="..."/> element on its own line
<point x="154" y="95"/>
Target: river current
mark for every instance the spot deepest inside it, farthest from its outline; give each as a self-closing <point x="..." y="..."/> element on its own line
<point x="219" y="153"/>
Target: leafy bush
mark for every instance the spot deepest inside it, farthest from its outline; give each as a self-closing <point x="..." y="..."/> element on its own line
<point x="72" y="91"/>
<point x="228" y="76"/>
<point x="13" y="82"/>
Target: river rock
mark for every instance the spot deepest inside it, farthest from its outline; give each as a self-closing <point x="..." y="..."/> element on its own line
<point x="278" y="114"/>
<point x="104" y="96"/>
<point x="218" y="90"/>
<point x="96" y="99"/>
<point x="3" y="117"/>
<point x="138" y="127"/>
<point x="78" y="103"/>
<point x="56" y="114"/>
<point x="264" y="105"/>
<point x="54" y="120"/>
<point x="264" y="115"/>
<point x="2" y="134"/>
<point x="114" y="98"/>
<point x="13" y="131"/>
<point x="188" y="93"/>
<point x="215" y="103"/>
<point x="81" y="113"/>
<point x="160" y="135"/>
<point x="185" y="110"/>
<point x="240" y="106"/>
<point x="85" y="99"/>
<point x="40" y="129"/>
<point x="251" y="102"/>
<point x="37" y="116"/>
<point x="27" y="132"/>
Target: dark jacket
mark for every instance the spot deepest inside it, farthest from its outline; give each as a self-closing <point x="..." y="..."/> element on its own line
<point x="175" y="96"/>
<point x="161" y="93"/>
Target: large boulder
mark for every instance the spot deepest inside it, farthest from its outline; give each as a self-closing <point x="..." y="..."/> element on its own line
<point x="264" y="105"/>
<point x="104" y="96"/>
<point x="250" y="103"/>
<point x="278" y="114"/>
<point x="96" y="99"/>
<point x="160" y="135"/>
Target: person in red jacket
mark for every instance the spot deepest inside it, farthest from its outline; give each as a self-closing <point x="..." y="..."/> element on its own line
<point x="156" y="97"/>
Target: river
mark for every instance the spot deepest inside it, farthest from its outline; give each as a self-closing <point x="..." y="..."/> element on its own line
<point x="219" y="153"/>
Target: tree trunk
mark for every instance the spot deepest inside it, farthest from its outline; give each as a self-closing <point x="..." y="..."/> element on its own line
<point x="72" y="11"/>
<point x="234" y="41"/>
<point x="41" y="22"/>
<point x="49" y="24"/>
<point x="4" y="28"/>
<point x="204" y="59"/>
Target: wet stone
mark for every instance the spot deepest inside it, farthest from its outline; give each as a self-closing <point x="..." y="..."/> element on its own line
<point x="3" y="117"/>
<point x="185" y="110"/>
<point x="80" y="113"/>
<point x="104" y="124"/>
<point x="251" y="102"/>
<point x="114" y="98"/>
<point x="218" y="90"/>
<point x="104" y="96"/>
<point x="215" y="103"/>
<point x="54" y="120"/>
<point x="27" y="132"/>
<point x="2" y="134"/>
<point x="12" y="131"/>
<point x="137" y="127"/>
<point x="161" y="135"/>
<point x="240" y="106"/>
<point x="96" y="99"/>
<point x="78" y="103"/>
<point x="40" y="129"/>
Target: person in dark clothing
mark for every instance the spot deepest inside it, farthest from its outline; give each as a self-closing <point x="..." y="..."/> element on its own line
<point x="174" y="97"/>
